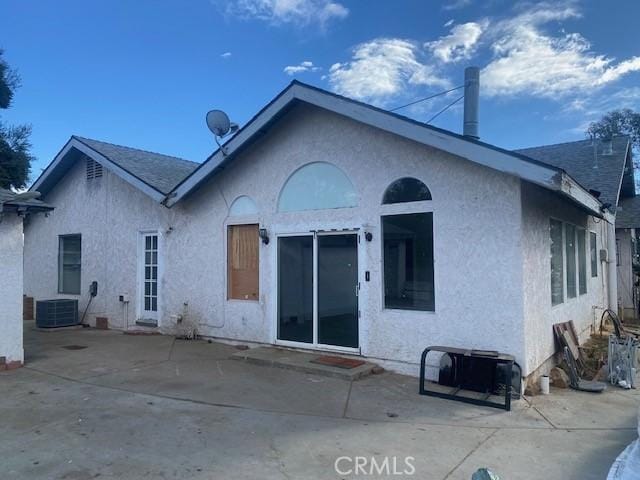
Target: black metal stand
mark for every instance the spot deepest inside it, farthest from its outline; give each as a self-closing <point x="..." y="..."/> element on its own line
<point x="462" y="377"/>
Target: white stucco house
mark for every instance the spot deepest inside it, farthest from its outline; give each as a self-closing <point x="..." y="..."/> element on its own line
<point x="325" y="223"/>
<point x="13" y="209"/>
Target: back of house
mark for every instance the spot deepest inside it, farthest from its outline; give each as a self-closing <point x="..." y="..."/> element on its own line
<point x="327" y="224"/>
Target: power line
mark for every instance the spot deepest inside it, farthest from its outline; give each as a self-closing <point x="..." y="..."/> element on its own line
<point x="445" y="109"/>
<point x="427" y="98"/>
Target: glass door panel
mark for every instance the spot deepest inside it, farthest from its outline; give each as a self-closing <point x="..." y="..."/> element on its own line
<point x="295" y="288"/>
<point x="338" y="290"/>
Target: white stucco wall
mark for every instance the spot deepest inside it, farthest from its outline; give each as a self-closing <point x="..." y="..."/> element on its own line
<point x="491" y="244"/>
<point x="11" y="240"/>
<point x="538" y="207"/>
<point x="109" y="214"/>
<point x="478" y="282"/>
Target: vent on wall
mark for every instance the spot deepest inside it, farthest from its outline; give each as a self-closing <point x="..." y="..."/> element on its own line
<point x="94" y="169"/>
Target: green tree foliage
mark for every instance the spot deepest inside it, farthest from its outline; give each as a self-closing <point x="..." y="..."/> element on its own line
<point x="15" y="158"/>
<point x="617" y="122"/>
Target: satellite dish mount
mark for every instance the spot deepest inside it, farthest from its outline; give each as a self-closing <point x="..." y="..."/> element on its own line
<point x="220" y="125"/>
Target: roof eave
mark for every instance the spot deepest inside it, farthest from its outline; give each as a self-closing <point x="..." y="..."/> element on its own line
<point x="477" y="152"/>
<point x="575" y="192"/>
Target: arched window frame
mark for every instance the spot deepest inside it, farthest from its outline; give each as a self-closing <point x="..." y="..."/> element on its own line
<point x="241" y="198"/>
<point x="390" y="209"/>
<point x="405" y="207"/>
<point x="297" y="171"/>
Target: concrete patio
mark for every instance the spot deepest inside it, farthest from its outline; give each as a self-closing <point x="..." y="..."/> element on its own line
<point x="154" y="407"/>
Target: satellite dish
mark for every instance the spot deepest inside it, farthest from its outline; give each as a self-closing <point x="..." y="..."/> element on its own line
<point x="220" y="125"/>
<point x="218" y="122"/>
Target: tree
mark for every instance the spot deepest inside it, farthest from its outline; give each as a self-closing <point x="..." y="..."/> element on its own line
<point x="617" y="122"/>
<point x="15" y="156"/>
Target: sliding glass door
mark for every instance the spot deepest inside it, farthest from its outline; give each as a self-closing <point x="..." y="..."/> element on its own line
<point x="318" y="289"/>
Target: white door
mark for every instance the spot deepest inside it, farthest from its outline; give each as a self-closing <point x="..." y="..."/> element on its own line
<point x="149" y="277"/>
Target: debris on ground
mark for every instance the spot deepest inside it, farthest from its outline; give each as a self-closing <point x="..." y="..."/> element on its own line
<point x="559" y="377"/>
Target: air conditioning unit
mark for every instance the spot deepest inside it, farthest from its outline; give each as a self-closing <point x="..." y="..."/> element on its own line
<point x="61" y="312"/>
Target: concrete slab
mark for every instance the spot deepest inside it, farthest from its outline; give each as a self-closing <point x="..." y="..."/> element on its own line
<point x="301" y="362"/>
<point x="395" y="398"/>
<point x="160" y="408"/>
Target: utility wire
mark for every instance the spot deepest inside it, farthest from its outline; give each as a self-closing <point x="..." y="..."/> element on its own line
<point x="444" y="109"/>
<point x="426" y="98"/>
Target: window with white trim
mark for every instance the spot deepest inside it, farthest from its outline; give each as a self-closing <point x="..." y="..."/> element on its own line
<point x="557" y="262"/>
<point x="408" y="249"/>
<point x="582" y="260"/>
<point x="593" y="249"/>
<point x="69" y="264"/>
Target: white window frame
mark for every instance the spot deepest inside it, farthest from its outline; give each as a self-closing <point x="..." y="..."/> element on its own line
<point x="142" y="314"/>
<point x="61" y="289"/>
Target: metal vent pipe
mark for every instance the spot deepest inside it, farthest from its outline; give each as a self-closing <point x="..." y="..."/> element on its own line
<point x="471" y="98"/>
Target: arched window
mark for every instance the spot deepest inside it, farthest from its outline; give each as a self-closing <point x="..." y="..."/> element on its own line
<point x="317" y="186"/>
<point x="406" y="190"/>
<point x="243" y="205"/>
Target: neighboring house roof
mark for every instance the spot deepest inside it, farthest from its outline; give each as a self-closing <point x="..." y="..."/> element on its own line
<point x="585" y="161"/>
<point x="153" y="173"/>
<point x="506" y="161"/>
<point x="12" y="201"/>
<point x="628" y="214"/>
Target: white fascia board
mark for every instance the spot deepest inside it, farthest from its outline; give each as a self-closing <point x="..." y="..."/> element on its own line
<point x="547" y="177"/>
<point x="52" y="166"/>
<point x="572" y="189"/>
<point x="473" y="152"/>
<point x="106" y="163"/>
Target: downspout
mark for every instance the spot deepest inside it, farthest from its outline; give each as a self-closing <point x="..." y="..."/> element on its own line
<point x="612" y="273"/>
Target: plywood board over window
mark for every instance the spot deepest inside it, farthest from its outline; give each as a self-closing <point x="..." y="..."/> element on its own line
<point x="242" y="262"/>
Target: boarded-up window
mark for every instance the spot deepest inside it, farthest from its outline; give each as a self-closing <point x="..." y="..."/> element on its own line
<point x="242" y="262"/>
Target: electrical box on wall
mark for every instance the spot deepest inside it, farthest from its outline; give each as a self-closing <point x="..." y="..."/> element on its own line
<point x="124" y="298"/>
<point x="604" y="255"/>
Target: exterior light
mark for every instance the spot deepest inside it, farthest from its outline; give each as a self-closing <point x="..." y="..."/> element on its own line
<point x="264" y="236"/>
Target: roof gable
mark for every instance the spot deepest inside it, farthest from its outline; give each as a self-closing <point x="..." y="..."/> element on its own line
<point x="506" y="161"/>
<point x="153" y="173"/>
<point x="584" y="160"/>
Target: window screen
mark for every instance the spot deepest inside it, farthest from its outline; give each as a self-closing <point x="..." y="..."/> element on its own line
<point x="242" y="262"/>
<point x="408" y="261"/>
<point x="570" y="249"/>
<point x="69" y="263"/>
<point x="593" y="249"/>
<point x="555" y="232"/>
<point x="582" y="261"/>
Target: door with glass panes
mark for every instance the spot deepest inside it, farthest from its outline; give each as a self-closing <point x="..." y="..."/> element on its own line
<point x="149" y="277"/>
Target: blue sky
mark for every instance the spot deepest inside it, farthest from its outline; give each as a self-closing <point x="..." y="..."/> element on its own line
<point x="145" y="73"/>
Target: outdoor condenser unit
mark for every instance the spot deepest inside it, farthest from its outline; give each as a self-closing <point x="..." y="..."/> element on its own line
<point x="61" y="312"/>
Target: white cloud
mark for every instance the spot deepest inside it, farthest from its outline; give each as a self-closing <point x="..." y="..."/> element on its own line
<point x="298" y="12"/>
<point x="527" y="60"/>
<point x="381" y="69"/>
<point x="306" y="66"/>
<point x="226" y="55"/>
<point x="460" y="44"/>
<point x="457" y="4"/>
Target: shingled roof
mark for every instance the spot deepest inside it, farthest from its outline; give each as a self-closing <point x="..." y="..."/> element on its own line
<point x="585" y="161"/>
<point x="162" y="172"/>
<point x="12" y="201"/>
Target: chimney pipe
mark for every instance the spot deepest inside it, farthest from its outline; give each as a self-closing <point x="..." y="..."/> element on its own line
<point x="471" y="95"/>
